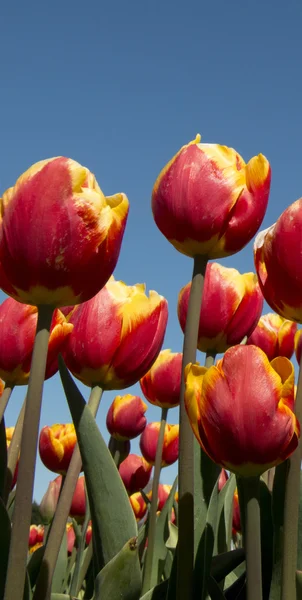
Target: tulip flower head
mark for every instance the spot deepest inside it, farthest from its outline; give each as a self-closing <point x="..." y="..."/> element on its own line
<point x="274" y="335"/>
<point x="139" y="505"/>
<point x="117" y="335"/>
<point x="223" y="477"/>
<point x="277" y="254"/>
<point x="78" y="504"/>
<point x="230" y="309"/>
<point x="241" y="410"/>
<point x="50" y="499"/>
<point x="126" y="417"/>
<point x="149" y="440"/>
<point x="16" y="349"/>
<point x="56" y="445"/>
<point x="208" y="201"/>
<point x="163" y="495"/>
<point x="60" y="237"/>
<point x="71" y="537"/>
<point x="135" y="472"/>
<point x="36" y="535"/>
<point x="161" y="385"/>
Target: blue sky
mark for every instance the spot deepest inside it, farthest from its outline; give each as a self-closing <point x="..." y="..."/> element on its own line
<point x="120" y="87"/>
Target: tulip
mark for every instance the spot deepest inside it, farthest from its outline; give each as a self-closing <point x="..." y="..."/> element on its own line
<point x="139" y="505"/>
<point x="88" y="535"/>
<point x="36" y="535"/>
<point x="277" y="259"/>
<point x="117" y="335"/>
<point x="9" y="431"/>
<point x="208" y="201"/>
<point x="56" y="445"/>
<point x="274" y="335"/>
<point x="230" y="309"/>
<point x="126" y="417"/>
<point x="223" y="477"/>
<point x="78" y="504"/>
<point x="135" y="472"/>
<point x="161" y="385"/>
<point x="236" y="523"/>
<point x="162" y="495"/>
<point x="50" y="499"/>
<point x="60" y="237"/>
<point x="241" y="410"/>
<point x="298" y="345"/>
<point x="149" y="439"/>
<point x="18" y="324"/>
<point x="71" y="537"/>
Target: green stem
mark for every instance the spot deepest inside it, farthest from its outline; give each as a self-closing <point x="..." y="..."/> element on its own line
<point x="210" y="358"/>
<point x="14" y="451"/>
<point x="148" y="565"/>
<point x="17" y="559"/>
<point x="185" y="547"/>
<point x="250" y="487"/>
<point x="81" y="548"/>
<point x="44" y="581"/>
<point x="291" y="510"/>
<point x="84" y="568"/>
<point x="119" y="450"/>
<point x="7" y="392"/>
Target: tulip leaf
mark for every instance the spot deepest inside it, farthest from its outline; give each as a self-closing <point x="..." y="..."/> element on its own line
<point x="299" y="585"/>
<point x="5" y="528"/>
<point x="206" y="473"/>
<point x="225" y="516"/>
<point x="214" y="590"/>
<point x="237" y="591"/>
<point x="113" y="520"/>
<point x="27" y="588"/>
<point x="158" y="592"/>
<point x="278" y="497"/>
<point x="121" y="576"/>
<point x="223" y="564"/>
<point x="172" y="540"/>
<point x="205" y="550"/>
<point x="34" y="564"/>
<point x="61" y="566"/>
<point x="267" y="537"/>
<point x="3" y="458"/>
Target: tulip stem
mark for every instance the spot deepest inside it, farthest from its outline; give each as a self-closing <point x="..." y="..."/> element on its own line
<point x="119" y="449"/>
<point x="5" y="398"/>
<point x="210" y="358"/>
<point x="79" y="558"/>
<point x="250" y="503"/>
<point x="13" y="451"/>
<point x="185" y="547"/>
<point x="150" y="578"/>
<point x="58" y="525"/>
<point x="17" y="559"/>
<point x="291" y="509"/>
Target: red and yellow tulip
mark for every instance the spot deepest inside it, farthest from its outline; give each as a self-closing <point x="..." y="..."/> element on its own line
<point x="230" y="309"/>
<point x="78" y="504"/>
<point x="274" y="335"/>
<point x="117" y="335"/>
<point x="163" y="494"/>
<point x="208" y="201"/>
<point x="139" y="505"/>
<point x="277" y="253"/>
<point x="135" y="472"/>
<point x="149" y="440"/>
<point x="126" y="417"/>
<point x="60" y="237"/>
<point x="18" y="324"/>
<point x="36" y="535"/>
<point x="56" y="445"/>
<point x="161" y="385"/>
<point x="241" y="410"/>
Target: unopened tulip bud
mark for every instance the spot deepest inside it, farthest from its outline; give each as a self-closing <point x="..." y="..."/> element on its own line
<point x="50" y="499"/>
<point x="126" y="417"/>
<point x="223" y="477"/>
<point x="71" y="537"/>
<point x="149" y="440"/>
<point x="135" y="472"/>
<point x="161" y="385"/>
<point x="274" y="335"/>
<point x="78" y="504"/>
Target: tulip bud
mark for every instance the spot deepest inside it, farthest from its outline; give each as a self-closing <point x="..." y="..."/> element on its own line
<point x="88" y="533"/>
<point x="117" y="335"/>
<point x="78" y="504"/>
<point x="71" y="537"/>
<point x="135" y="472"/>
<point x="208" y="201"/>
<point x="241" y="410"/>
<point x="230" y="309"/>
<point x="149" y="440"/>
<point x="223" y="477"/>
<point x="60" y="237"/>
<point x="163" y="495"/>
<point x="139" y="505"/>
<point x="56" y="445"/>
<point x="16" y="350"/>
<point x="161" y="385"/>
<point x="50" y="499"/>
<point x="36" y="535"/>
<point x="125" y="418"/>
<point x="274" y="335"/>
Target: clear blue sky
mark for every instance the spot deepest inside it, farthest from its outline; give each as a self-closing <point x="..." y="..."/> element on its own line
<point x="120" y="86"/>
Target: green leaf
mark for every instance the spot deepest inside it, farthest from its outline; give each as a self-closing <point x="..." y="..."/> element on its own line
<point x="56" y="596"/>
<point x="5" y="529"/>
<point x="113" y="520"/>
<point x="299" y="585"/>
<point x="172" y="540"/>
<point x="205" y="550"/>
<point x="206" y="473"/>
<point x="277" y="515"/>
<point x="214" y="590"/>
<point x="121" y="576"/>
<point x="61" y="567"/>
<point x="237" y="591"/>
<point x="156" y="593"/>
<point x="27" y="589"/>
<point x="34" y="564"/>
<point x="223" y="564"/>
<point x="3" y="458"/>
<point x="225" y="516"/>
<point x="267" y="537"/>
